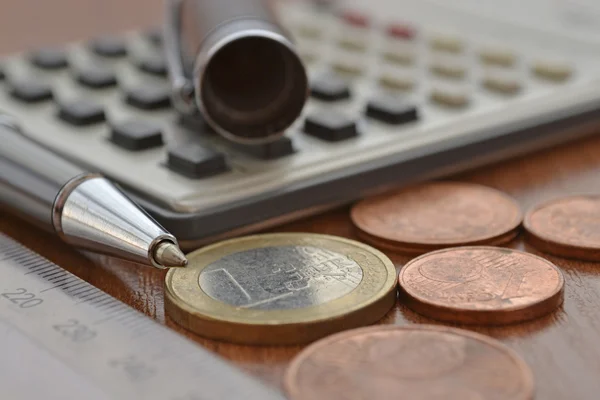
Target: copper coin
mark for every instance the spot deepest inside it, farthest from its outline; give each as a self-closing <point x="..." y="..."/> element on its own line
<point x="481" y="285"/>
<point x="417" y="362"/>
<point x="437" y="215"/>
<point x="416" y="250"/>
<point x="568" y="227"/>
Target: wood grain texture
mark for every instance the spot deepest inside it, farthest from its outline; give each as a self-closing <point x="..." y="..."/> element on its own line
<point x="563" y="348"/>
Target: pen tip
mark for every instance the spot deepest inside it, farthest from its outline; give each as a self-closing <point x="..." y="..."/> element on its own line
<point x="169" y="255"/>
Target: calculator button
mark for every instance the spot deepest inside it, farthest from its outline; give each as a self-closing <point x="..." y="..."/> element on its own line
<point x="49" y="59"/>
<point x="308" y="57"/>
<point x="352" y="44"/>
<point x="501" y="84"/>
<point x="81" y="112"/>
<point x="400" y="31"/>
<point x="109" y="46"/>
<point x="96" y="77"/>
<point x="453" y="98"/>
<point x="268" y="151"/>
<point x="330" y="88"/>
<point x="195" y="161"/>
<point x="355" y="19"/>
<point x="396" y="83"/>
<point x="149" y="97"/>
<point x="136" y="135"/>
<point x="31" y="91"/>
<point x="155" y="36"/>
<point x="401" y="57"/>
<point x="391" y="110"/>
<point x="449" y="44"/>
<point x="552" y="71"/>
<point x="154" y="64"/>
<point x="448" y="70"/>
<point x="194" y="122"/>
<point x="330" y="125"/>
<point x="309" y="31"/>
<point x="346" y="69"/>
<point x="499" y="57"/>
<point x="2" y="73"/>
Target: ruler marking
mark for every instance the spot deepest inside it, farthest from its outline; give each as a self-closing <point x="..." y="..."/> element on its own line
<point x="62" y="284"/>
<point x="119" y="316"/>
<point x="136" y="322"/>
<point x="89" y="299"/>
<point x="111" y="314"/>
<point x="29" y="263"/>
<point x="69" y="288"/>
<point x="48" y="274"/>
<point x="69" y="280"/>
<point x="110" y="306"/>
<point x="13" y="250"/>
<point x="23" y="257"/>
<point x="37" y="264"/>
<point x="59" y="278"/>
<point x="78" y="293"/>
<point x="42" y="268"/>
<point x="120" y="313"/>
<point x="102" y="301"/>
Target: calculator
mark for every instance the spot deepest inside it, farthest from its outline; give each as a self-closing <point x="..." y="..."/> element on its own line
<point x="400" y="91"/>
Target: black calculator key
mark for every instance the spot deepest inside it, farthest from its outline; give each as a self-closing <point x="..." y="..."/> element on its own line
<point x="149" y="97"/>
<point x="155" y="36"/>
<point x="330" y="88"/>
<point x="268" y="151"/>
<point x="31" y="91"/>
<point x="109" y="46"/>
<point x="96" y="77"/>
<point x="49" y="59"/>
<point x="195" y="122"/>
<point x="196" y="161"/>
<point x="330" y="125"/>
<point x="81" y="112"/>
<point x="154" y="64"/>
<point x="136" y="135"/>
<point x="392" y="110"/>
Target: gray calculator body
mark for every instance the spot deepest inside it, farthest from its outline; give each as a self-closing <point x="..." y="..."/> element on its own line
<point x="432" y="90"/>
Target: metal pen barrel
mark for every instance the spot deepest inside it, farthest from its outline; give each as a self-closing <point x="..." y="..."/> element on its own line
<point x="85" y="209"/>
<point x="238" y="66"/>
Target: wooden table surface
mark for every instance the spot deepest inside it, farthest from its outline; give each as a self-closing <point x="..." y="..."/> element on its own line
<point x="563" y="349"/>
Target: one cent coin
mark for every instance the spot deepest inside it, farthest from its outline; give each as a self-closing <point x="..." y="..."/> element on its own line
<point x="481" y="285"/>
<point x="568" y="227"/>
<point x="437" y="215"/>
<point x="280" y="288"/>
<point x="410" y="362"/>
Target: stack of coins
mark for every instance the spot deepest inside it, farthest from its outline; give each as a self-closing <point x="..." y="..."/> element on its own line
<point x="437" y="215"/>
<point x="567" y="227"/>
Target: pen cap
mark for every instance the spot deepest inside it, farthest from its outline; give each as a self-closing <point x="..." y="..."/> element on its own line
<point x="246" y="77"/>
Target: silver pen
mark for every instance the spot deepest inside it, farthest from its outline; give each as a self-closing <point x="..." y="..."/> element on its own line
<point x="231" y="61"/>
<point x="85" y="209"/>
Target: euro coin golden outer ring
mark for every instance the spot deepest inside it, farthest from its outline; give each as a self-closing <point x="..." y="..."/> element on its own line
<point x="282" y="288"/>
